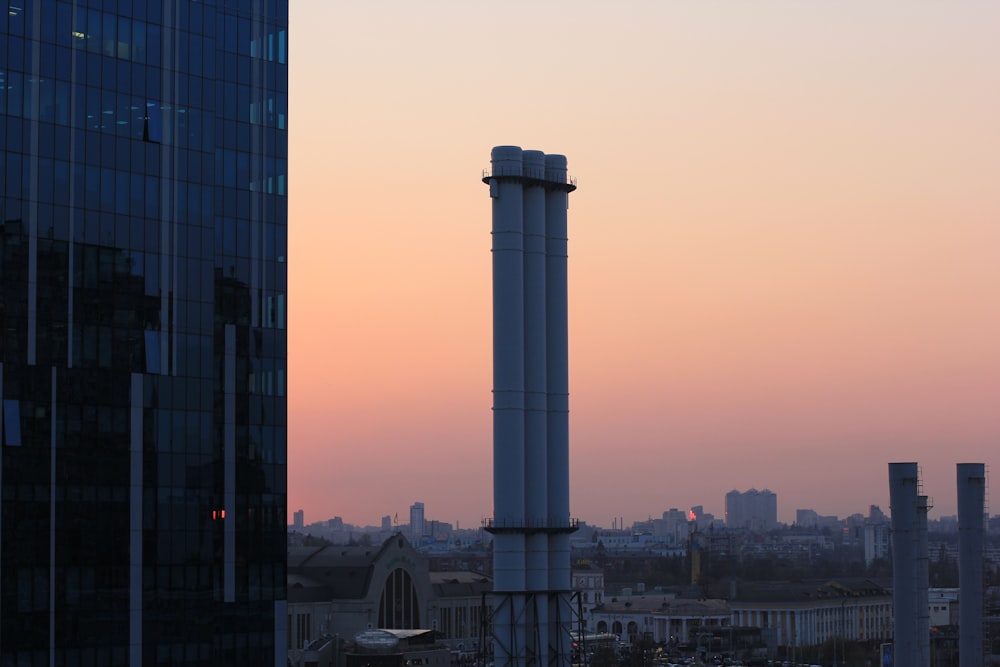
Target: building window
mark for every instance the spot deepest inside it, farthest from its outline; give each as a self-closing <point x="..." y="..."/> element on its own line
<point x="12" y="423"/>
<point x="399" y="608"/>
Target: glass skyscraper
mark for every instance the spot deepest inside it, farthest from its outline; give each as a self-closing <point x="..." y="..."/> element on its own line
<point x="143" y="282"/>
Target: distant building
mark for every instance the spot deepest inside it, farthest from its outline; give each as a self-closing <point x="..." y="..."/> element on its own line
<point x="752" y="510"/>
<point x="877" y="538"/>
<point x="458" y="602"/>
<point x="659" y="617"/>
<point x="672" y="527"/>
<point x="853" y="529"/>
<point x="299" y="519"/>
<point x="942" y="606"/>
<point x="808" y="614"/>
<point x="806" y="518"/>
<point x="438" y="530"/>
<point x="588" y="583"/>
<point x="387" y="522"/>
<point x="416" y="521"/>
<point x="340" y="591"/>
<point x="701" y="519"/>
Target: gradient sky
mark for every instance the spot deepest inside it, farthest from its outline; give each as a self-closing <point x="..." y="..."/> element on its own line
<point x="784" y="248"/>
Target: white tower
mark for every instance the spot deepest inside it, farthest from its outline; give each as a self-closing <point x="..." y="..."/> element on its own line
<point x="531" y="522"/>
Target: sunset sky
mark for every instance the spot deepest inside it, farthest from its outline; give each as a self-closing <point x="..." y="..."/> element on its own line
<point x="784" y="249"/>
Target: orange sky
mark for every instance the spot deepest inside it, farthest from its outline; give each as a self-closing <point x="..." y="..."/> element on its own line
<point x="784" y="248"/>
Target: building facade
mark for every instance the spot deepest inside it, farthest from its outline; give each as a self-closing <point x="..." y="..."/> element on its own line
<point x="143" y="237"/>
<point x="877" y="540"/>
<point x="336" y="592"/>
<point x="659" y="618"/>
<point x="802" y="615"/>
<point x="588" y="585"/>
<point x="417" y="522"/>
<point x="752" y="510"/>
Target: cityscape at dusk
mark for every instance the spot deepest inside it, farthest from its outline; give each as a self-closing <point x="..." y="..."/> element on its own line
<point x="451" y="334"/>
<point x="782" y="251"/>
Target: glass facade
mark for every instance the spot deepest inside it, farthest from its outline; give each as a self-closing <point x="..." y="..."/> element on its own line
<point x="143" y="344"/>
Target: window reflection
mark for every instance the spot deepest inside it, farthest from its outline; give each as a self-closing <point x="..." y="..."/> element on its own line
<point x="12" y="422"/>
<point x="142" y="256"/>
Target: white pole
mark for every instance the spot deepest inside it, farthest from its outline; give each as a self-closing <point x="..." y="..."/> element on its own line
<point x="508" y="399"/>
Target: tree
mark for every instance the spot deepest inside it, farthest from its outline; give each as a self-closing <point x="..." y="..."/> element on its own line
<point x="604" y="656"/>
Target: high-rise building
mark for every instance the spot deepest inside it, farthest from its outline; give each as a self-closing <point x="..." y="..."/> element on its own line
<point x="299" y="521"/>
<point x="416" y="522"/>
<point x="143" y="235"/>
<point x="752" y="510"/>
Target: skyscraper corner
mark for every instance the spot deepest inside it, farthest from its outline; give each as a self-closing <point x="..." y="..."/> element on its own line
<point x="143" y="347"/>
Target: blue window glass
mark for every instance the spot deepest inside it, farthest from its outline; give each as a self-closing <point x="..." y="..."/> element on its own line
<point x="128" y="149"/>
<point x="153" y="130"/>
<point x="12" y="422"/>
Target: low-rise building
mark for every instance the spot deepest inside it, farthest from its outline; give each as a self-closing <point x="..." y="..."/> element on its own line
<point x="588" y="583"/>
<point x="458" y="607"/>
<point x="337" y="592"/>
<point x="808" y="614"/>
<point x="658" y="617"/>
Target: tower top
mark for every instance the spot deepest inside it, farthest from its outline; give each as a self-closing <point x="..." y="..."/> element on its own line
<point x="511" y="164"/>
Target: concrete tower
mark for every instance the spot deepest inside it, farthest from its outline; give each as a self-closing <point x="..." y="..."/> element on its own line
<point x="531" y="522"/>
<point x="971" y="505"/>
<point x="909" y="566"/>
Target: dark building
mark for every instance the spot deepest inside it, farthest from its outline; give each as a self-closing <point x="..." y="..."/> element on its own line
<point x="752" y="510"/>
<point x="143" y="235"/>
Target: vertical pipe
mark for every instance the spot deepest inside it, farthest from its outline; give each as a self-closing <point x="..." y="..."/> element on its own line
<point x="532" y="614"/>
<point x="557" y="359"/>
<point x="923" y="578"/>
<point x="903" y="480"/>
<point x="971" y="484"/>
<point x="508" y="401"/>
<point x="535" y="449"/>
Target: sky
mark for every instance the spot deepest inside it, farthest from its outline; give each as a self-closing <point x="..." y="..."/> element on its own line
<point x="784" y="251"/>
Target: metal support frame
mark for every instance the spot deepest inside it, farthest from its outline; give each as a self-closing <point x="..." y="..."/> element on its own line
<point x="535" y="651"/>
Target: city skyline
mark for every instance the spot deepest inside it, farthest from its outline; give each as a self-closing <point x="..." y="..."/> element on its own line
<point x="400" y="521"/>
<point x="782" y="266"/>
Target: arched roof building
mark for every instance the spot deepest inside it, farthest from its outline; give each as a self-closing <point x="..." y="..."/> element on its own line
<point x="340" y="591"/>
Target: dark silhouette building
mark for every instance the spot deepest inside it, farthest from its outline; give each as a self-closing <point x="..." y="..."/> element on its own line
<point x="143" y="235"/>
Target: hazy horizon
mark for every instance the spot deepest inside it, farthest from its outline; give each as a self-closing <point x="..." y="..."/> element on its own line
<point x="782" y="253"/>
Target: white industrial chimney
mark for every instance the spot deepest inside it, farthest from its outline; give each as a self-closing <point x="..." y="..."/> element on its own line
<point x="531" y="522"/>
